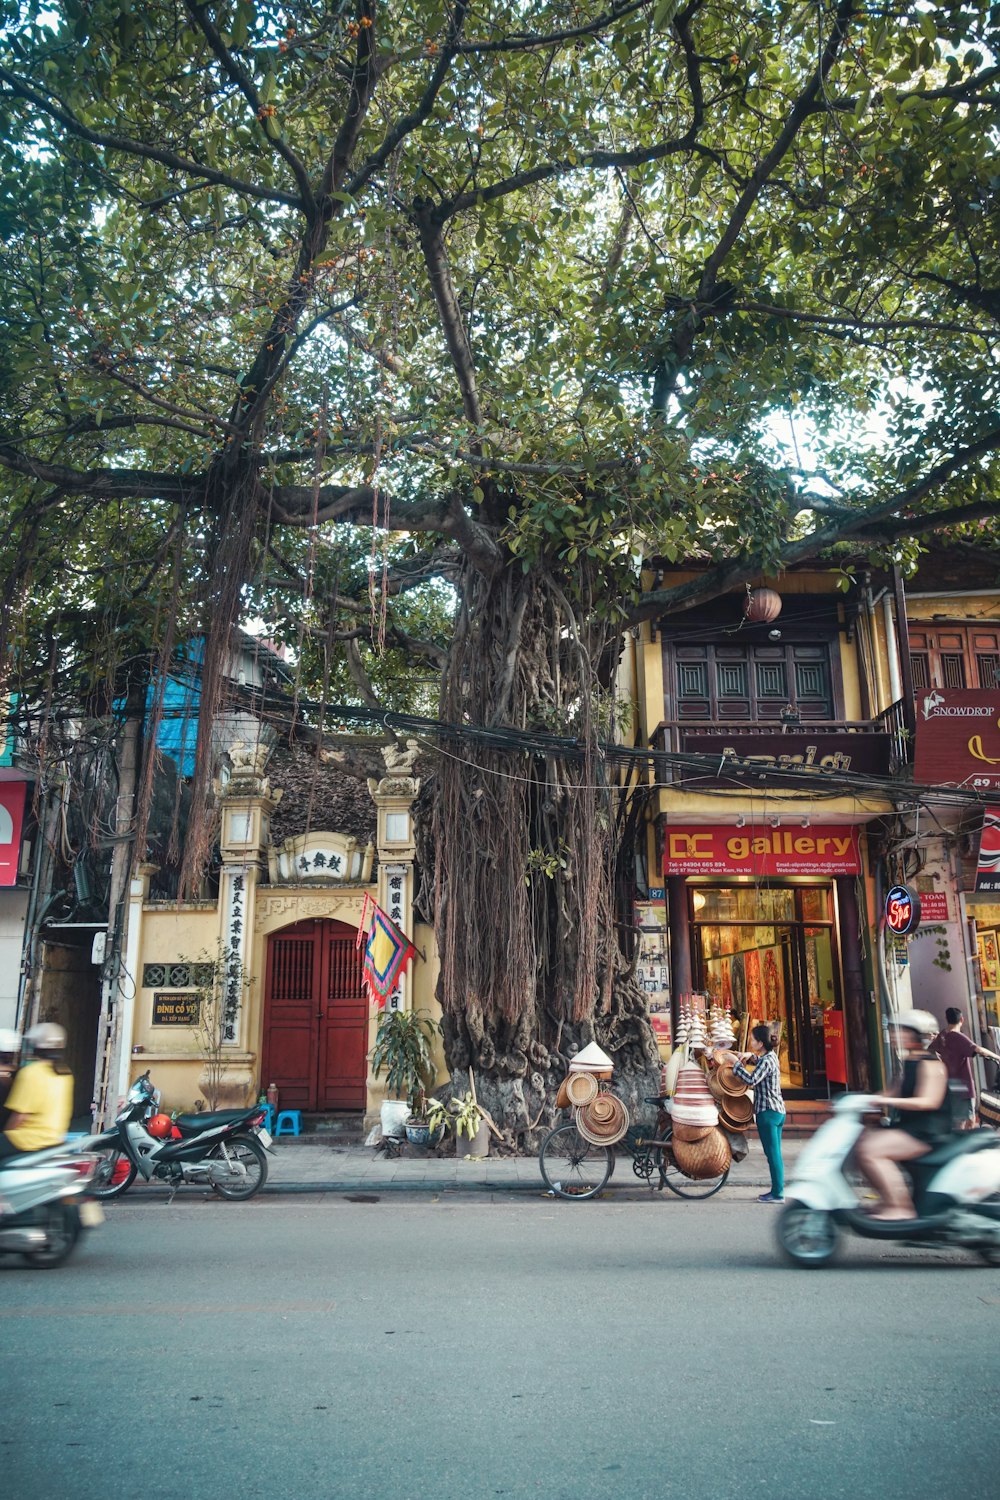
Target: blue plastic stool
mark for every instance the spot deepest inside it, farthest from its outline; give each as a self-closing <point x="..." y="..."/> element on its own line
<point x="268" y="1121"/>
<point x="289" y="1122"/>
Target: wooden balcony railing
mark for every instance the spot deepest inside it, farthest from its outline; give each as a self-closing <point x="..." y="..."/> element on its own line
<point x="877" y="747"/>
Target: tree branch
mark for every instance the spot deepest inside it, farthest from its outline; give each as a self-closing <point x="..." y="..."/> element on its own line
<point x="526" y="42"/>
<point x="724" y="576"/>
<point x="442" y="287"/>
<point x="239" y="75"/>
<point x="416" y="117"/>
<point x="845" y="320"/>
<point x="129" y="147"/>
<point x="766" y="166"/>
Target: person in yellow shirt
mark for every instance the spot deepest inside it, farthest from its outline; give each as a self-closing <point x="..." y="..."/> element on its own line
<point x="41" y="1097"/>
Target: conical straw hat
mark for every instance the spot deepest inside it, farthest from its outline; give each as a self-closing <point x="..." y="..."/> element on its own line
<point x="593" y="1059"/>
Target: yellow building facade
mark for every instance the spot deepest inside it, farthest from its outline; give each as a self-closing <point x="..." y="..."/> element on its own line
<point x="776" y="722"/>
<point x="262" y="985"/>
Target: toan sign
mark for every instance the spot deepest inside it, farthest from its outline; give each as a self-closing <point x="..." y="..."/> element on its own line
<point x="958" y="738"/>
<point x="820" y="850"/>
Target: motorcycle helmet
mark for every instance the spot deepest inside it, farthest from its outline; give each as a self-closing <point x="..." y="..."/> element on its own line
<point x="159" y="1126"/>
<point x="46" y="1039"/>
<point x="921" y="1021"/>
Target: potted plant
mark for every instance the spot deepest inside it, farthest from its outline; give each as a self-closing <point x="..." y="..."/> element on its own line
<point x="467" y="1119"/>
<point x="428" y="1124"/>
<point x="402" y="1052"/>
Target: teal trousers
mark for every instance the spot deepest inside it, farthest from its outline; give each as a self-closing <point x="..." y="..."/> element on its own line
<point x="769" y="1126"/>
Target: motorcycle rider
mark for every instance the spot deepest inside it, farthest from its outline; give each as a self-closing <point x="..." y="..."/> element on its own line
<point x="41" y="1097"/>
<point x="922" y="1116"/>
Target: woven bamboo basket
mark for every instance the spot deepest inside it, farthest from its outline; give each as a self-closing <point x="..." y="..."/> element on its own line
<point x="708" y="1157"/>
<point x="562" y="1098"/>
<point x="691" y="1133"/>
<point x="581" y="1088"/>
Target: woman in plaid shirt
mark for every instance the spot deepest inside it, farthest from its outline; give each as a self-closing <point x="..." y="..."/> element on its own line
<point x="768" y="1105"/>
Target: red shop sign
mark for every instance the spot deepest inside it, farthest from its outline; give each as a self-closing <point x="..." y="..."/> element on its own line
<point x="823" y="849"/>
<point x="958" y="738"/>
<point x="834" y="1046"/>
<point x="11" y="820"/>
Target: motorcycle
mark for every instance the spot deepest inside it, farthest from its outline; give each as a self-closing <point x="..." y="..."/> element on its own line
<point x="223" y="1148"/>
<point x="45" y="1205"/>
<point x="956" y="1192"/>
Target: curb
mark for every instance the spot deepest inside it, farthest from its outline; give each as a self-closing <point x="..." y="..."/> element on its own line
<point x="365" y="1187"/>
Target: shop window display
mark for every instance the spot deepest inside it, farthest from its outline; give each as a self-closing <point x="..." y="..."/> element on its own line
<point x="770" y="953"/>
<point x="987" y="918"/>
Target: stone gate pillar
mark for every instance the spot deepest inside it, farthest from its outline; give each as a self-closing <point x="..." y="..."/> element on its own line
<point x="393" y="797"/>
<point x="247" y="804"/>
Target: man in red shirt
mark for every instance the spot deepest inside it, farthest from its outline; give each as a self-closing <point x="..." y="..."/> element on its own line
<point x="956" y="1051"/>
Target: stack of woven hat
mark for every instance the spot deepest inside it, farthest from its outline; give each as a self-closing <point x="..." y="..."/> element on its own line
<point x="734" y="1099"/>
<point x="693" y="1110"/>
<point x="721" y="1030"/>
<point x="601" y="1118"/>
<point x="699" y="1147"/>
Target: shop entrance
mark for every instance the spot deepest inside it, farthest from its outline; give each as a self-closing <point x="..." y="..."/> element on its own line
<point x="772" y="952"/>
<point x="315" y="1018"/>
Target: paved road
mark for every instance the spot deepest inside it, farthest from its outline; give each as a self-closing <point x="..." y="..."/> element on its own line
<point x="428" y="1348"/>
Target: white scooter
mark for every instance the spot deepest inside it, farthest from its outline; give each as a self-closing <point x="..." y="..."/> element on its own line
<point x="956" y="1192"/>
<point x="45" y="1203"/>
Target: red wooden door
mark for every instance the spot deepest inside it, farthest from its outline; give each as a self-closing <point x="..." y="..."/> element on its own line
<point x="315" y="1018"/>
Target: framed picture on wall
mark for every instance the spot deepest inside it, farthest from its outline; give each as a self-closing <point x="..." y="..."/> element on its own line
<point x="989" y="959"/>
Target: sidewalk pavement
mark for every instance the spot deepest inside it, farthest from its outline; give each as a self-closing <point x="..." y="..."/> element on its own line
<point x="304" y="1166"/>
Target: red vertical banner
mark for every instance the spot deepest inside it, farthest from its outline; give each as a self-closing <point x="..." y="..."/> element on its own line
<point x="11" y="823"/>
<point x="833" y="1045"/>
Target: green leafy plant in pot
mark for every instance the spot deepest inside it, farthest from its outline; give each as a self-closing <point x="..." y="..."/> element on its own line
<point x="402" y="1054"/>
<point x="428" y="1124"/>
<point x="467" y="1119"/>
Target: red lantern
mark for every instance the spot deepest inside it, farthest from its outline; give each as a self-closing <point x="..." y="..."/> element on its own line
<point x="762" y="606"/>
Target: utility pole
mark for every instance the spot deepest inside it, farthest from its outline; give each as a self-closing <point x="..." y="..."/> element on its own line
<point x="110" y="1031"/>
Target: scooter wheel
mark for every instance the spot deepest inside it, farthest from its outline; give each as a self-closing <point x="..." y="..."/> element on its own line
<point x="61" y="1222"/>
<point x="115" y="1175"/>
<point x="807" y="1236"/>
<point x="989" y="1253"/>
<point x="246" y="1151"/>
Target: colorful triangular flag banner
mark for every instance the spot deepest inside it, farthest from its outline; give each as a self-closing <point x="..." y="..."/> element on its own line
<point x="387" y="954"/>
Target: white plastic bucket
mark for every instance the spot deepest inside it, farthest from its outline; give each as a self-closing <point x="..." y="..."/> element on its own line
<point x="393" y="1115"/>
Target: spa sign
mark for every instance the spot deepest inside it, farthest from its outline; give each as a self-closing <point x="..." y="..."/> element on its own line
<point x="902" y="910"/>
<point x="822" y="849"/>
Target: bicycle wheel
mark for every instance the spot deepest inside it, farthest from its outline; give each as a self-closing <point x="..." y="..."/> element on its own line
<point x="672" y="1177"/>
<point x="571" y="1167"/>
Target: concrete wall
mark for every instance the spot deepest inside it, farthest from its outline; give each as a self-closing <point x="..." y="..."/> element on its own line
<point x="13" y="908"/>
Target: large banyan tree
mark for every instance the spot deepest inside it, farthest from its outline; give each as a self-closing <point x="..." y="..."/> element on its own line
<point x="409" y="331"/>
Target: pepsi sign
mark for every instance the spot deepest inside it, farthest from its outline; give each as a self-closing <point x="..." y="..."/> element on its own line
<point x="988" y="871"/>
<point x="902" y="910"/>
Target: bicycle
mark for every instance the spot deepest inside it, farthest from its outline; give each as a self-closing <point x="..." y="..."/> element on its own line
<point x="573" y="1167"/>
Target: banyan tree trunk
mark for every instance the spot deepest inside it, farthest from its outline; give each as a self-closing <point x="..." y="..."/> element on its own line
<point x="524" y="860"/>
